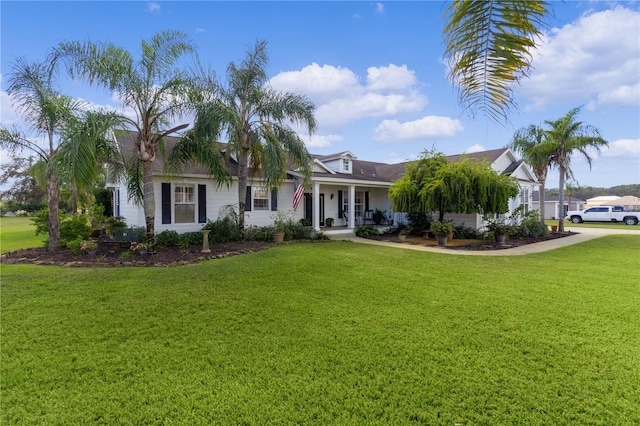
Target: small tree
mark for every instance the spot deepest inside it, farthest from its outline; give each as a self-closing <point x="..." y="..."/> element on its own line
<point x="466" y="186"/>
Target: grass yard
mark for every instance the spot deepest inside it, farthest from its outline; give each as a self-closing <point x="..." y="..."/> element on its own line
<point x="328" y="333"/>
<point x="17" y="233"/>
<point x="607" y="225"/>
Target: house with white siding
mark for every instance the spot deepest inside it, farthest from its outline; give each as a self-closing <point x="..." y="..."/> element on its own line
<point x="341" y="187"/>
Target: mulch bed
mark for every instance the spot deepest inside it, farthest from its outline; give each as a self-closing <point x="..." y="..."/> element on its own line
<point x="174" y="256"/>
<point x="171" y="256"/>
<point x="475" y="245"/>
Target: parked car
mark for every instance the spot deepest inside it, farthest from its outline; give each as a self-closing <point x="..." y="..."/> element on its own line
<point x="603" y="214"/>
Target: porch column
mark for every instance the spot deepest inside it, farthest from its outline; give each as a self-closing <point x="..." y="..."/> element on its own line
<point x="316" y="207"/>
<point x="352" y="207"/>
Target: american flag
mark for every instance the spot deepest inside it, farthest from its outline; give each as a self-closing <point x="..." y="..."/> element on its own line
<point x="297" y="194"/>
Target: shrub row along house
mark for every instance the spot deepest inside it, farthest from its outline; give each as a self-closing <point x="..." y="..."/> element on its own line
<point x="342" y="188"/>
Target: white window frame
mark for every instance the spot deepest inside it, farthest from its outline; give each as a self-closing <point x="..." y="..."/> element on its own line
<point x="184" y="195"/>
<point x="260" y="198"/>
<point x="346" y="164"/>
<point x="524" y="199"/>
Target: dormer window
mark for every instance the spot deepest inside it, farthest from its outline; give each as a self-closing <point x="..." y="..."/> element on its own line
<point x="346" y="164"/>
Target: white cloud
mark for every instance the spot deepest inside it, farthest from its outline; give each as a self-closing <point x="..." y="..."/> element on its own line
<point x="393" y="158"/>
<point x="622" y="148"/>
<point x="320" y="141"/>
<point x="429" y="127"/>
<point x="593" y="60"/>
<point x="153" y="7"/>
<point x="201" y="30"/>
<point x="340" y="97"/>
<point x="474" y="148"/>
<point x="8" y="115"/>
<point x="392" y="77"/>
<point x="379" y="8"/>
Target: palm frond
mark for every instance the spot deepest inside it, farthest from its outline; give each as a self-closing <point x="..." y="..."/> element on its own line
<point x="488" y="44"/>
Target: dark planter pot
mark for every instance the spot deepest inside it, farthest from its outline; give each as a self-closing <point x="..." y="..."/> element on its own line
<point x="442" y="240"/>
<point x="500" y="238"/>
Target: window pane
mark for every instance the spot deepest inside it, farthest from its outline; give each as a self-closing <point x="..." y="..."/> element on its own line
<point x="185" y="213"/>
<point x="260" y="204"/>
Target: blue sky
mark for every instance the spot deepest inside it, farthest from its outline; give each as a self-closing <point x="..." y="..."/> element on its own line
<point x="373" y="69"/>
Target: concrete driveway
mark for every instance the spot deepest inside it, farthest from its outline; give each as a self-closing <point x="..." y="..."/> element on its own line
<point x="583" y="234"/>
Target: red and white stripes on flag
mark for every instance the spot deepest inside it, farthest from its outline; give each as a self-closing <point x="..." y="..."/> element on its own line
<point x="297" y="194"/>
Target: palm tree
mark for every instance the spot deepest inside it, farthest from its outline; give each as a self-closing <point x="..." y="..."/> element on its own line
<point x="152" y="86"/>
<point x="46" y="111"/>
<point x="255" y="120"/>
<point x="489" y="44"/>
<point x="565" y="136"/>
<point x="87" y="146"/>
<point x="530" y="143"/>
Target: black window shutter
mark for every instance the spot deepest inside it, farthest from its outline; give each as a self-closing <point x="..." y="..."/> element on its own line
<point x="166" y="202"/>
<point x="366" y="200"/>
<point x="247" y="200"/>
<point x="202" y="203"/>
<point x="274" y="200"/>
<point x="340" y="212"/>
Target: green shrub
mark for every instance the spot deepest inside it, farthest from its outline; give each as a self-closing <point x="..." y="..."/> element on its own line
<point x="419" y="222"/>
<point x="190" y="239"/>
<point x="75" y="245"/>
<point x="259" y="233"/>
<point x="168" y="239"/>
<point x="223" y="230"/>
<point x="365" y="231"/>
<point x="74" y="227"/>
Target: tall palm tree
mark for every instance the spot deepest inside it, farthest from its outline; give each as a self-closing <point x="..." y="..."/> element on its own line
<point x="152" y="86"/>
<point x="45" y="111"/>
<point x="530" y="143"/>
<point x="256" y="120"/>
<point x="87" y="146"/>
<point x="489" y="46"/>
<point x="565" y="136"/>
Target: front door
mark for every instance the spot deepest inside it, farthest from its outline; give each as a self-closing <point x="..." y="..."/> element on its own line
<point x="308" y="207"/>
<point x="321" y="209"/>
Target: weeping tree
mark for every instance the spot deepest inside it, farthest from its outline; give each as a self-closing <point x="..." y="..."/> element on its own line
<point x="466" y="186"/>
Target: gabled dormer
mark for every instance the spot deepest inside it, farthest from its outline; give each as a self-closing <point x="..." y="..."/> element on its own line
<point x="339" y="163"/>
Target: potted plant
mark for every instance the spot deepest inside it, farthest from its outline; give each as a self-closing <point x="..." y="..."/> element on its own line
<point x="281" y="222"/>
<point x="441" y="230"/>
<point x="403" y="233"/>
<point x="329" y="222"/>
<point x="499" y="229"/>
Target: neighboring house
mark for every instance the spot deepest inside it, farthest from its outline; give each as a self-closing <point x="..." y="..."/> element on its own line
<point x="552" y="202"/>
<point x="628" y="203"/>
<point x="341" y="187"/>
<point x="598" y="201"/>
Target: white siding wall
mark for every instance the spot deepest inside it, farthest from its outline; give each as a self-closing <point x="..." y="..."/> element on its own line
<point x="217" y="198"/>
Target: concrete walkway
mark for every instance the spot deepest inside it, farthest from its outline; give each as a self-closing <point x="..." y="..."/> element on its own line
<point x="583" y="234"/>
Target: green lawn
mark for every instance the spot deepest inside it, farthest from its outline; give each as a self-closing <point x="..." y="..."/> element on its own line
<point x="17" y="233"/>
<point x="608" y="225"/>
<point x="328" y="333"/>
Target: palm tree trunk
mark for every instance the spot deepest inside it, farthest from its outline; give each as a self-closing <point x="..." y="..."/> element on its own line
<point x="243" y="173"/>
<point x="542" y="200"/>
<point x="562" y="171"/>
<point x="74" y="197"/>
<point x="149" y="198"/>
<point x="53" y="199"/>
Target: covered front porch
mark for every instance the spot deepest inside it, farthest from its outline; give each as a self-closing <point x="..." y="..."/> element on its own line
<point x="332" y="206"/>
